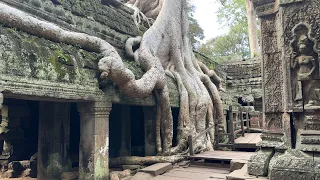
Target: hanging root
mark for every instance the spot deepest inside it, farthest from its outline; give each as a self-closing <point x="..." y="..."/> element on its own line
<point x="212" y="74"/>
<point x="139" y="17"/>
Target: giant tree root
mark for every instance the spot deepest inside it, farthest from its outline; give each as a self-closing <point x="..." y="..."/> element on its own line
<point x="148" y="160"/>
<point x="165" y="47"/>
<point x="167" y="42"/>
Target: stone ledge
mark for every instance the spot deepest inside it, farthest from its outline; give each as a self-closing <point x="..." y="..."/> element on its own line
<point x="157" y="169"/>
<point x="242" y="174"/>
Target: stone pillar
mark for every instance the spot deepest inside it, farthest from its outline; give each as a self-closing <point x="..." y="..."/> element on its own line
<point x="150" y="115"/>
<point x="291" y="83"/>
<point x="125" y="119"/>
<point x="276" y="136"/>
<point x="53" y="140"/>
<point x="94" y="140"/>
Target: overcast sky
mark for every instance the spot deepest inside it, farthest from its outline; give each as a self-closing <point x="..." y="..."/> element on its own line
<point x="207" y="18"/>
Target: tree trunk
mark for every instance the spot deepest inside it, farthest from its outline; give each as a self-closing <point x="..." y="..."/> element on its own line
<point x="252" y="29"/>
<point x="164" y="49"/>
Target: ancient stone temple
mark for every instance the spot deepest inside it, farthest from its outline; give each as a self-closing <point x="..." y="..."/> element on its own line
<point x="55" y="114"/>
<point x="57" y="61"/>
<point x="290" y="71"/>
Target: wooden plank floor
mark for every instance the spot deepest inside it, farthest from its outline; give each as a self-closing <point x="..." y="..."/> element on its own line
<point x="223" y="155"/>
<point x="195" y="173"/>
<point x="249" y="140"/>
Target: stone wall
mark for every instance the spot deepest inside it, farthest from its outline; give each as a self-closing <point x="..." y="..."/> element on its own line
<point x="244" y="80"/>
<point x="290" y="60"/>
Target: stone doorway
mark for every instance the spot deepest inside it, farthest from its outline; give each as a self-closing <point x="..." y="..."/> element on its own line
<point x="38" y="138"/>
<point x="19" y="137"/>
<point x="132" y="130"/>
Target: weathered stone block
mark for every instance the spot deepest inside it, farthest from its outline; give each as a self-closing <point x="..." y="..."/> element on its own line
<point x="258" y="164"/>
<point x="157" y="169"/>
<point x="292" y="164"/>
<point x="142" y="176"/>
<point x="236" y="164"/>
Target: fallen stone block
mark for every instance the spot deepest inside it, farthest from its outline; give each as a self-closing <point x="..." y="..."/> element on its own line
<point x="157" y="169"/>
<point x="258" y="164"/>
<point x="142" y="176"/>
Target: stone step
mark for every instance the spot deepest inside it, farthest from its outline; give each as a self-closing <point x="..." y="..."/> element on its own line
<point x="237" y="164"/>
<point x="157" y="169"/>
<point x="242" y="174"/>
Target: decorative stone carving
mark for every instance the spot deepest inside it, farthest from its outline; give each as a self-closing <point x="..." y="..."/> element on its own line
<point x="305" y="67"/>
<point x="273" y="74"/>
<point x="273" y="123"/>
<point x="308" y="133"/>
<point x="292" y="164"/>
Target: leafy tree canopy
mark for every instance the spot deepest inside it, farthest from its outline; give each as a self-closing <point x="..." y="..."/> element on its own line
<point x="235" y="43"/>
<point x="196" y="33"/>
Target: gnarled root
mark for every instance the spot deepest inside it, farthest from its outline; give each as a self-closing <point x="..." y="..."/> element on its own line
<point x="200" y="102"/>
<point x="150" y="8"/>
<point x="139" y="17"/>
<point x="212" y="74"/>
<point x="148" y="160"/>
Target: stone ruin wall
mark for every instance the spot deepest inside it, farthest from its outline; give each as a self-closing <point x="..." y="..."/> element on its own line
<point x="243" y="80"/>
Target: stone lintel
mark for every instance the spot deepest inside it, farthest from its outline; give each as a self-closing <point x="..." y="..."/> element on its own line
<point x="265" y="7"/>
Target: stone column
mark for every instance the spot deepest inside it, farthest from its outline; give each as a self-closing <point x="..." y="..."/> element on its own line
<point x="53" y="140"/>
<point x="150" y="146"/>
<point x="276" y="136"/>
<point x="125" y="149"/>
<point x="94" y="140"/>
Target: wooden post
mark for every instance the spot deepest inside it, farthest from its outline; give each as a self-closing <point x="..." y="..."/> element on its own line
<point x="241" y="121"/>
<point x="248" y="121"/>
<point x="190" y="145"/>
<point x="231" y="125"/>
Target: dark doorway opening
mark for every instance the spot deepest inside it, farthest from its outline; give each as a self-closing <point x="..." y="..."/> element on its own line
<point x="137" y="131"/>
<point x="74" y="134"/>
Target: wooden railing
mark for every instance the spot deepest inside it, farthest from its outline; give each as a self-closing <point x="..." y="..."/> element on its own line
<point x="238" y="123"/>
<point x="191" y="140"/>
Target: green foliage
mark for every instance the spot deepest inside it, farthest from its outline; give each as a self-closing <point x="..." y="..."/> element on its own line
<point x="235" y="43"/>
<point x="196" y="33"/>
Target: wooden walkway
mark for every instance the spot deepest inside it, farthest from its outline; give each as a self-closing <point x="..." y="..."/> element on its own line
<point x="248" y="141"/>
<point x="213" y="172"/>
<point x="223" y="155"/>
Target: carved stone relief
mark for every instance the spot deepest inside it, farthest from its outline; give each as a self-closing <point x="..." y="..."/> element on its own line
<point x="305" y="67"/>
<point x="273" y="122"/>
<point x="272" y="65"/>
<point x="308" y="136"/>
